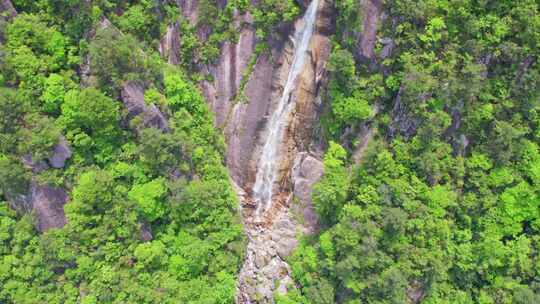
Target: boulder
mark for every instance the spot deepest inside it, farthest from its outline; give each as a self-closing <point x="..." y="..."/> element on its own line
<point x="61" y="153"/>
<point x="47" y="204"/>
<point x="146" y="233"/>
<point x="132" y="96"/>
<point x="416" y="292"/>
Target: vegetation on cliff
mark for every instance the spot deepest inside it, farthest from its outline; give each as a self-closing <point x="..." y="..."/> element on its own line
<point x="444" y="205"/>
<point x="151" y="217"/>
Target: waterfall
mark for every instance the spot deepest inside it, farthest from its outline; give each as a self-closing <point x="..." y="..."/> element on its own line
<point x="267" y="169"/>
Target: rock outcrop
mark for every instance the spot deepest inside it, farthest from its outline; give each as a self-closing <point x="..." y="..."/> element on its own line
<point x="230" y="68"/>
<point x="47" y="204"/>
<point x="371" y="11"/>
<point x="189" y="9"/>
<point x="7" y="10"/>
<point x="307" y="171"/>
<point x="61" y="153"/>
<point x="132" y="96"/>
<point x="169" y="46"/>
<point x="403" y="122"/>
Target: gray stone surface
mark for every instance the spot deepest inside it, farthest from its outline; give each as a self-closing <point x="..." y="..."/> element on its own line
<point x="48" y="206"/>
<point x="371" y="11"/>
<point x="61" y="153"/>
<point x="169" y="46"/>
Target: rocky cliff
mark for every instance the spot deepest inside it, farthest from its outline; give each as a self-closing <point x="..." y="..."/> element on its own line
<point x="244" y="120"/>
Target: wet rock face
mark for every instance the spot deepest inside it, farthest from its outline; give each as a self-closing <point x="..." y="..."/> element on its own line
<point x="132" y="96"/>
<point x="246" y="120"/>
<point x="274" y="237"/>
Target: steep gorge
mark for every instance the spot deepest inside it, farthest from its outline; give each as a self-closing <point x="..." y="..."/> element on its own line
<point x="172" y="151"/>
<point x="271" y="153"/>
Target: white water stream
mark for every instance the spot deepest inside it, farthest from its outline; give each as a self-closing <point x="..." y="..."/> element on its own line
<point x="267" y="169"/>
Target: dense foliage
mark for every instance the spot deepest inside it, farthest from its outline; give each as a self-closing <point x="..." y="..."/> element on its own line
<point x="151" y="216"/>
<point x="443" y="208"/>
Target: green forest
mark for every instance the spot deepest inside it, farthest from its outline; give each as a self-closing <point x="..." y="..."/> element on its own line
<point x="449" y="213"/>
<point x="443" y="206"/>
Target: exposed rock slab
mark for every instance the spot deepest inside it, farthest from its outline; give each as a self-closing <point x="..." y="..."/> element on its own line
<point x="229" y="71"/>
<point x="169" y="46"/>
<point x="61" y="153"/>
<point x="306" y="172"/>
<point x="48" y="206"/>
<point x="371" y="10"/>
<point x="45" y="202"/>
<point x="246" y="121"/>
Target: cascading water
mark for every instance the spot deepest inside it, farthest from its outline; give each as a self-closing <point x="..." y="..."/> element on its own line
<point x="267" y="170"/>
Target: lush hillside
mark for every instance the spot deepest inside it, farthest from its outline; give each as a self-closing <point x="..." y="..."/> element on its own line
<point x="151" y="216"/>
<point x="131" y="133"/>
<point x="444" y="205"/>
